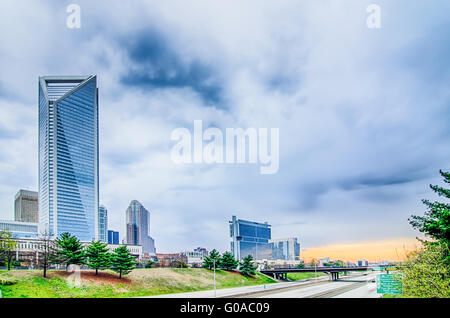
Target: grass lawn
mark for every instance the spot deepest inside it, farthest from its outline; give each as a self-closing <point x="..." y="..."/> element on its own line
<point x="300" y="276"/>
<point x="140" y="282"/>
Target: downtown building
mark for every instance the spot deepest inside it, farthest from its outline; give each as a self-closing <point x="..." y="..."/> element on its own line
<point x="285" y="249"/>
<point x="138" y="228"/>
<point x="250" y="238"/>
<point x="68" y="156"/>
<point x="113" y="237"/>
<point x="26" y="206"/>
<point x="102" y="223"/>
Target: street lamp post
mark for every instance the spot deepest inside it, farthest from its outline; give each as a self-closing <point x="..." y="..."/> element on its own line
<point x="214" y="262"/>
<point x="315" y="271"/>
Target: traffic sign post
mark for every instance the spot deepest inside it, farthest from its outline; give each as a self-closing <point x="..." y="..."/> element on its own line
<point x="389" y="284"/>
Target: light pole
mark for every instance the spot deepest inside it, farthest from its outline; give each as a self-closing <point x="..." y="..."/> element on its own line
<point x="315" y="271"/>
<point x="214" y="262"/>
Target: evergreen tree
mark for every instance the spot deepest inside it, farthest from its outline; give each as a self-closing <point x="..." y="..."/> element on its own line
<point x="70" y="249"/>
<point x="436" y="222"/>
<point x="98" y="256"/>
<point x="228" y="262"/>
<point x="208" y="261"/>
<point x="122" y="261"/>
<point x="247" y="267"/>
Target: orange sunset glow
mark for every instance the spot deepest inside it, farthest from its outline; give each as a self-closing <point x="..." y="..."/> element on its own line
<point x="372" y="251"/>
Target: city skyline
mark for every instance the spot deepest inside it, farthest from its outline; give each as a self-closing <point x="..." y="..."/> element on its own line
<point x="356" y="155"/>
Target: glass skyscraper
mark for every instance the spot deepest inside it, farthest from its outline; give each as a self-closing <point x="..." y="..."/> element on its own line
<point x="68" y="156"/>
<point x="102" y="224"/>
<point x="285" y="249"/>
<point x="138" y="227"/>
<point x="250" y="238"/>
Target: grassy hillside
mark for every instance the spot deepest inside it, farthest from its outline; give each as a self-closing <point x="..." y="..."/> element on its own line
<point x="300" y="276"/>
<point x="140" y="282"/>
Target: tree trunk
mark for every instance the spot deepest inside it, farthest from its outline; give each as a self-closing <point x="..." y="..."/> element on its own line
<point x="96" y="271"/>
<point x="120" y="274"/>
<point x="45" y="271"/>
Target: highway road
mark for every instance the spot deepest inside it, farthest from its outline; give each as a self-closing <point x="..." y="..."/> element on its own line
<point x="357" y="286"/>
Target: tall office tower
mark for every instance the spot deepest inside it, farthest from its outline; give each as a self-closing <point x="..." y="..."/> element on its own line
<point x="138" y="227"/>
<point x="250" y="238"/>
<point x="285" y="249"/>
<point x="102" y="223"/>
<point x="26" y="206"/>
<point x="68" y="156"/>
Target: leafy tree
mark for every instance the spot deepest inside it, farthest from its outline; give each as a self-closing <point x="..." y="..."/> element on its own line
<point x="149" y="264"/>
<point x="301" y="265"/>
<point x="247" y="267"/>
<point x="213" y="257"/>
<point x="228" y="262"/>
<point x="98" y="256"/>
<point x="426" y="272"/>
<point x="49" y="254"/>
<point x="178" y="264"/>
<point x="436" y="221"/>
<point x="7" y="247"/>
<point x="70" y="249"/>
<point x="313" y="263"/>
<point x="122" y="261"/>
<point x="338" y="263"/>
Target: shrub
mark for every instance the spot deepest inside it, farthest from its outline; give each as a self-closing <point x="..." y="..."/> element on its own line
<point x="7" y="280"/>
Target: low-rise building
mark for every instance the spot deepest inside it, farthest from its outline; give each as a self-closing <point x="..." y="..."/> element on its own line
<point x="362" y="263"/>
<point x="29" y="250"/>
<point x="171" y="260"/>
<point x="20" y="229"/>
<point x="194" y="258"/>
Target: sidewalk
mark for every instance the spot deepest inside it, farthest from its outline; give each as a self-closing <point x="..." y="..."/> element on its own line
<point x="235" y="291"/>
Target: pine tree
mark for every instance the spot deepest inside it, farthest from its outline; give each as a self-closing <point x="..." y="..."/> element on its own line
<point x="247" y="267"/>
<point x="122" y="261"/>
<point x="228" y="262"/>
<point x="98" y="256"/>
<point x="436" y="222"/>
<point x="208" y="261"/>
<point x="70" y="249"/>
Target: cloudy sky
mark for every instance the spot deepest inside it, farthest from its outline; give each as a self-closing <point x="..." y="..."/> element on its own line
<point x="363" y="113"/>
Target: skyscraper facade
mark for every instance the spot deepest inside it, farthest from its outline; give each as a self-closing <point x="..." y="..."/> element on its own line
<point x="250" y="238"/>
<point x="68" y="156"/>
<point x="102" y="223"/>
<point x="26" y="206"/>
<point x="138" y="228"/>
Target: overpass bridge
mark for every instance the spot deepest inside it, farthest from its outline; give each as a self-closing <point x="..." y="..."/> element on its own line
<point x="281" y="273"/>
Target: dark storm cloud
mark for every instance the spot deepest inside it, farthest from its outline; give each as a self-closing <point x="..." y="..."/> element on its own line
<point x="158" y="65"/>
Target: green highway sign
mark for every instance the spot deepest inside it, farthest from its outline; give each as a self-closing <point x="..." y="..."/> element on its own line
<point x="389" y="284"/>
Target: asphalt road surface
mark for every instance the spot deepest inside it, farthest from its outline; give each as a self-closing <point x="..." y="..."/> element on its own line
<point x="360" y="286"/>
